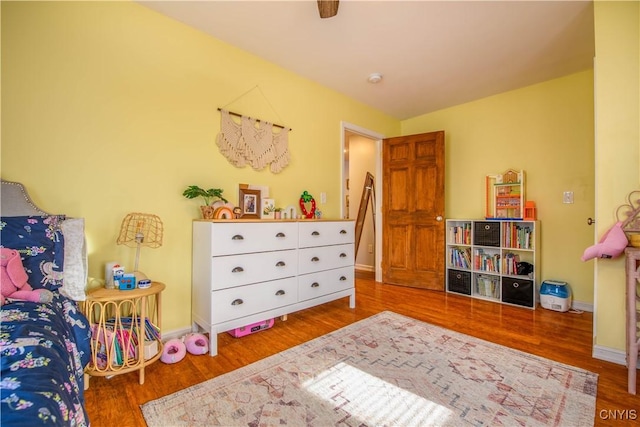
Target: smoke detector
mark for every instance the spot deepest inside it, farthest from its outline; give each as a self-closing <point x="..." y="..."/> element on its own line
<point x="374" y="78"/>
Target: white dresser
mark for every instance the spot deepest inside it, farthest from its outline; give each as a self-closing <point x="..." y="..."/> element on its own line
<point x="246" y="271"/>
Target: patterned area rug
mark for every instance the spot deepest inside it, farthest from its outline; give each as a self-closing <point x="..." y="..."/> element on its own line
<point x="388" y="370"/>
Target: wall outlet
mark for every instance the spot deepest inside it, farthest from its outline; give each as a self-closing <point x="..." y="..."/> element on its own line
<point x="370" y="248"/>
<point x="567" y="197"/>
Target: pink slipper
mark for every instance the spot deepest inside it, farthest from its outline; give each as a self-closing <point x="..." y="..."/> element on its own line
<point x="196" y="343"/>
<point x="173" y="351"/>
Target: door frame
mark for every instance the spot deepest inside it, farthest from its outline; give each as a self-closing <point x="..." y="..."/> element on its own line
<point x="377" y="137"/>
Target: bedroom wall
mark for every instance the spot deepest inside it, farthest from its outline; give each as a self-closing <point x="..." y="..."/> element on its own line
<point x="110" y="108"/>
<point x="548" y="131"/>
<point x="617" y="148"/>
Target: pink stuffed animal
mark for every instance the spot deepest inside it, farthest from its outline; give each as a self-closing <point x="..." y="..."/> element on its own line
<point x="13" y="280"/>
<point x="611" y="245"/>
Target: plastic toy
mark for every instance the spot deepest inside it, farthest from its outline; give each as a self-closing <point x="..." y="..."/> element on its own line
<point x="611" y="245"/>
<point x="13" y="280"/>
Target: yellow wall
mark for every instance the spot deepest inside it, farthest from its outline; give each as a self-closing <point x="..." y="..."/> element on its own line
<point x="617" y="168"/>
<point x="544" y="129"/>
<point x="110" y="108"/>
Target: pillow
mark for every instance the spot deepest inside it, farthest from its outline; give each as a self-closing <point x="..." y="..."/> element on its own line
<point x="75" y="259"/>
<point x="40" y="242"/>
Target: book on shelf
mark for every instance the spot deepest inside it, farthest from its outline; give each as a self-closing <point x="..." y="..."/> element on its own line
<point x="487" y="286"/>
<point x="486" y="261"/>
<point x="117" y="339"/>
<point x="517" y="236"/>
<point x="511" y="261"/>
<point x="460" y="257"/>
<point x="460" y="234"/>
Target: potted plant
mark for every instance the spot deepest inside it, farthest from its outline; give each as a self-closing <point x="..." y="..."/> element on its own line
<point x="208" y="196"/>
<point x="277" y="213"/>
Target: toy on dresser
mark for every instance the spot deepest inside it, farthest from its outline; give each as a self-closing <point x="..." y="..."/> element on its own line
<point x="13" y="280"/>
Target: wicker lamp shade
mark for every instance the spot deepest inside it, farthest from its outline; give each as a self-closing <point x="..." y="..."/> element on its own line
<point x="140" y="229"/>
<point x="146" y="227"/>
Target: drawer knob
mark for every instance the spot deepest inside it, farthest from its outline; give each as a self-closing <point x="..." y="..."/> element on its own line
<point x="280" y="264"/>
<point x="515" y="284"/>
<point x="280" y="292"/>
<point x="315" y="285"/>
<point x="281" y="235"/>
<point x="342" y="278"/>
<point x="237" y="237"/>
<point x="237" y="270"/>
<point x="315" y="233"/>
<point x="315" y="259"/>
<point x="343" y="231"/>
<point x="237" y="301"/>
<point x="343" y="255"/>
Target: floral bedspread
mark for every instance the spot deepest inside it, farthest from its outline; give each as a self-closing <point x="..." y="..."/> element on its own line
<point x="43" y="351"/>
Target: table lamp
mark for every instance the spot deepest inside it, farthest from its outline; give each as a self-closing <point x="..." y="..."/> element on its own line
<point x="140" y="229"/>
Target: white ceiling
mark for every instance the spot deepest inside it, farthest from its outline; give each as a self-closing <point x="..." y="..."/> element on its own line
<point x="432" y="54"/>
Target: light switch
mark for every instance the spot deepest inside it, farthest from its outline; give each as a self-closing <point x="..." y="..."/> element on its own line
<point x="567" y="197"/>
<point x="323" y="197"/>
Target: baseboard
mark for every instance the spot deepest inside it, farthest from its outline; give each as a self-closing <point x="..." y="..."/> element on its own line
<point x="177" y="333"/>
<point x="609" y="354"/>
<point x="363" y="267"/>
<point x="584" y="306"/>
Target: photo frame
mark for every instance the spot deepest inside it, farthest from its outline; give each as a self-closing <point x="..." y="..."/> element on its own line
<point x="249" y="201"/>
<point x="268" y="209"/>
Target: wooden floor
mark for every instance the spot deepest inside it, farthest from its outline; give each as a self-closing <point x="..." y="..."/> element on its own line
<point x="563" y="337"/>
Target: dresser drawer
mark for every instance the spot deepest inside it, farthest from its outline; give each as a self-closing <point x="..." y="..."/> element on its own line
<point x="324" y="258"/>
<point x="246" y="237"/>
<point x="321" y="233"/>
<point x="234" y="303"/>
<point x="237" y="270"/>
<point x="325" y="282"/>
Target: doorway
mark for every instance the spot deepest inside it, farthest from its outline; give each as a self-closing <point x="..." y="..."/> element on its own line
<point x="362" y="153"/>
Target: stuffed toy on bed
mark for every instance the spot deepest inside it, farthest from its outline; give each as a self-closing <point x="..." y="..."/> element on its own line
<point x="13" y="280"/>
<point x="611" y="245"/>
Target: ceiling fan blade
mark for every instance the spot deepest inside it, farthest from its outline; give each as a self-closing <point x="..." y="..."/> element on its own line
<point x="328" y="8"/>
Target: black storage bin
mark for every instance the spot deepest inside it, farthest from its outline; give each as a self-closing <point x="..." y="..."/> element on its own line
<point x="518" y="291"/>
<point x="459" y="282"/>
<point x="486" y="233"/>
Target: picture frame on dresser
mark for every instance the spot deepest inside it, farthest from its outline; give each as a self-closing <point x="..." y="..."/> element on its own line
<point x="249" y="201"/>
<point x="268" y="209"/>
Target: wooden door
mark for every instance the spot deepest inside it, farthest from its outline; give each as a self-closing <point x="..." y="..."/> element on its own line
<point x="413" y="210"/>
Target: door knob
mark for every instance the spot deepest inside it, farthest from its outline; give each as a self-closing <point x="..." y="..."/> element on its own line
<point x="439" y="218"/>
<point x="590" y="221"/>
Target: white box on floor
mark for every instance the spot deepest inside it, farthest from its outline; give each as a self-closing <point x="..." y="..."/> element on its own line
<point x="150" y="349"/>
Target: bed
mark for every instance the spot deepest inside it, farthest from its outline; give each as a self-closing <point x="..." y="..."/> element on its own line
<point x="44" y="347"/>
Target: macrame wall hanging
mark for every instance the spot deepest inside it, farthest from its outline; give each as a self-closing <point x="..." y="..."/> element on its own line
<point x="253" y="142"/>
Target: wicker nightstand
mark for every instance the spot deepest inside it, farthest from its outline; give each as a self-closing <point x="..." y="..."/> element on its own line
<point x="125" y="328"/>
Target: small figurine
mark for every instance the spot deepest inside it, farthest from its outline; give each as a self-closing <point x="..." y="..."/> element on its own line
<point x="305" y="197"/>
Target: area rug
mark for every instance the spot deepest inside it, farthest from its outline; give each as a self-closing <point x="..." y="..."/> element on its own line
<point x="388" y="370"/>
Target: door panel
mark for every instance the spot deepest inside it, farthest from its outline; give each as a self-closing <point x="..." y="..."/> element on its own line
<point x="398" y="238"/>
<point x="413" y="210"/>
<point x="398" y="199"/>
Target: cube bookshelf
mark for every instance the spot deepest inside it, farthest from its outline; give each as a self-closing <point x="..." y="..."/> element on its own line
<point x="483" y="257"/>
